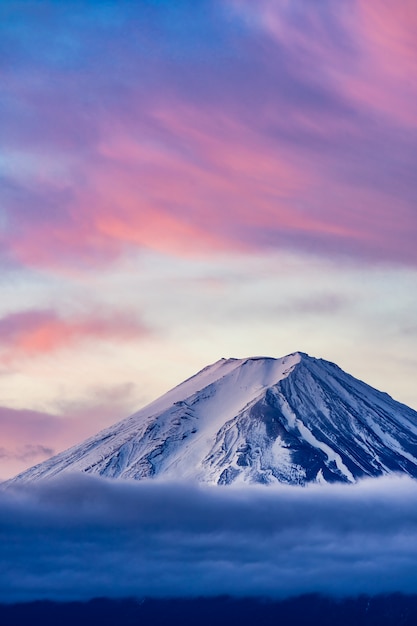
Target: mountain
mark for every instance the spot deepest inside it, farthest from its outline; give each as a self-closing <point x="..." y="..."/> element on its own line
<point x="293" y="420"/>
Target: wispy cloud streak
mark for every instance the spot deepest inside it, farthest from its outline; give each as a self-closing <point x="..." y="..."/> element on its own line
<point x="33" y="333"/>
<point x="257" y="126"/>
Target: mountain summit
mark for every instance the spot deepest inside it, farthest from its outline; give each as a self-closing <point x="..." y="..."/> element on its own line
<point x="292" y="420"/>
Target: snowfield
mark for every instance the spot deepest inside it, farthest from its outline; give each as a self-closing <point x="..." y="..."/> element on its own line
<point x="293" y="420"/>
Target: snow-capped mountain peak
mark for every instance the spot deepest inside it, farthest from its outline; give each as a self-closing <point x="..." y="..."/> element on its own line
<point x="294" y="419"/>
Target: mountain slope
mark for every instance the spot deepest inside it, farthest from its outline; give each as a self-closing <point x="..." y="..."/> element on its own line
<point x="294" y="420"/>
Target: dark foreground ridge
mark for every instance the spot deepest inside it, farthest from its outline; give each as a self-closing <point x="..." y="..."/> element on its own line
<point x="389" y="610"/>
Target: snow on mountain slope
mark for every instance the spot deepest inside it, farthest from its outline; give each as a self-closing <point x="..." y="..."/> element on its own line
<point x="294" y="420"/>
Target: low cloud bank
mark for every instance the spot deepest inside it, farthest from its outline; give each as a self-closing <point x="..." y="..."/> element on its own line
<point x="81" y="537"/>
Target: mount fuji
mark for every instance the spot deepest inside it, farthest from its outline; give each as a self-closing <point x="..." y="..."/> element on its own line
<point x="293" y="420"/>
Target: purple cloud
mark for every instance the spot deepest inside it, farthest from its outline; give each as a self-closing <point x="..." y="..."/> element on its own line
<point x="227" y="126"/>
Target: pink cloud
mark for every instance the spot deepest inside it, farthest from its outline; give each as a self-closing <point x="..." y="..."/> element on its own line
<point x="387" y="77"/>
<point x="233" y="189"/>
<point x="390" y="28"/>
<point x="365" y="51"/>
<point x="36" y="332"/>
<point x="293" y="142"/>
<point x="231" y="184"/>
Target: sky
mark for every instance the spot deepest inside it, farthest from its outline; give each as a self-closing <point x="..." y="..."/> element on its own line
<point x="184" y="181"/>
